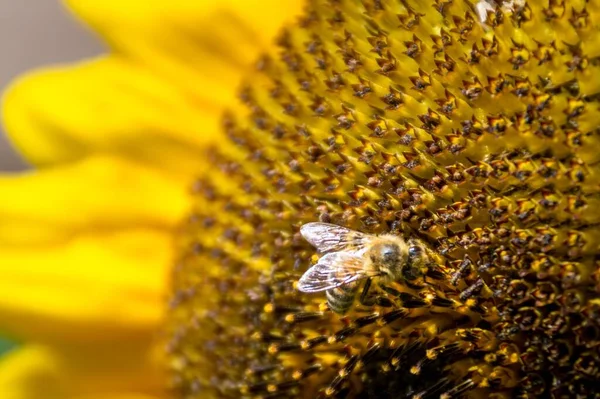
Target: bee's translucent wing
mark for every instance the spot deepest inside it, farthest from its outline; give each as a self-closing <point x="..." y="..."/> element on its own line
<point x="332" y="270"/>
<point x="327" y="237"/>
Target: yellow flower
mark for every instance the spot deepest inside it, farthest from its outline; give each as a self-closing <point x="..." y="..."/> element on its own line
<point x="474" y="132"/>
<point x="467" y="128"/>
<point x="86" y="238"/>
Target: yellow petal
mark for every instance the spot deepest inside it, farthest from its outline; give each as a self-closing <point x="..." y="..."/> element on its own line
<point x="175" y="66"/>
<point x="107" y="106"/>
<point x="73" y="266"/>
<point x="30" y="372"/>
<point x="121" y="370"/>
<point x="189" y="41"/>
<point x="98" y="286"/>
<point x="50" y="206"/>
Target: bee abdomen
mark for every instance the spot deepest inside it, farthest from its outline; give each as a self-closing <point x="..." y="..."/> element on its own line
<point x="340" y="299"/>
<point x="339" y="302"/>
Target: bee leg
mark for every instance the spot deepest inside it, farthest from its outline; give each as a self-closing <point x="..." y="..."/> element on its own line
<point x="363" y="299"/>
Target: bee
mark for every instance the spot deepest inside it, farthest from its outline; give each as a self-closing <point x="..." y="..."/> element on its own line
<point x="351" y="257"/>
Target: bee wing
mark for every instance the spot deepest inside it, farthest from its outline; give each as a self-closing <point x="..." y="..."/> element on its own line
<point x="327" y="237"/>
<point x="332" y="270"/>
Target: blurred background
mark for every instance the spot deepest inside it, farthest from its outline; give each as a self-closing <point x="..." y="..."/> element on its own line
<point x="35" y="33"/>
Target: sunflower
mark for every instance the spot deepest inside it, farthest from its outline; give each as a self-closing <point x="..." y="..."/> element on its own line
<point x="468" y="127"/>
<point x="116" y="141"/>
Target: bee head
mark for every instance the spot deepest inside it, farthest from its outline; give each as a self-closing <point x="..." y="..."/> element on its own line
<point x="387" y="257"/>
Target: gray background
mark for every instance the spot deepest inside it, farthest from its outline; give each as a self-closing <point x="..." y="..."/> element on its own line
<point x="35" y="33"/>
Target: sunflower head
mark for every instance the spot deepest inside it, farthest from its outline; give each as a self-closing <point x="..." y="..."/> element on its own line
<point x="476" y="137"/>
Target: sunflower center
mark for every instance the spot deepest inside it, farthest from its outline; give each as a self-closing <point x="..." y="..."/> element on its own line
<point x="476" y="136"/>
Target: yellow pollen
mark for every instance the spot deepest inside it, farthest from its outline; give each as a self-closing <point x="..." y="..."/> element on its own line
<point x="290" y="318"/>
<point x="273" y="349"/>
<point x="268" y="308"/>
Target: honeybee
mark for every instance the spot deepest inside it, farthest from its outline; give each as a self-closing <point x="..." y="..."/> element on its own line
<point x="351" y="257"/>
